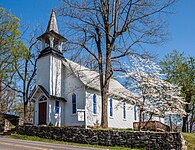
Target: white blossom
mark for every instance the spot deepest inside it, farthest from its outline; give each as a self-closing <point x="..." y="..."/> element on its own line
<point x="154" y="94"/>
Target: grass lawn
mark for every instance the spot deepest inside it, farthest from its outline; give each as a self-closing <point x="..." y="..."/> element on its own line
<point x="35" y="138"/>
<point x="190" y="138"/>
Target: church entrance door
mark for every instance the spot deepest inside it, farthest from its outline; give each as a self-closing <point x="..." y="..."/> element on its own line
<point x="42" y="112"/>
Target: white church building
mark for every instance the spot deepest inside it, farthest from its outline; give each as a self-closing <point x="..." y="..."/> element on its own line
<point x="68" y="94"/>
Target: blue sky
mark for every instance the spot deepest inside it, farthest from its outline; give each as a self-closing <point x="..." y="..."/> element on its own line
<point x="181" y="23"/>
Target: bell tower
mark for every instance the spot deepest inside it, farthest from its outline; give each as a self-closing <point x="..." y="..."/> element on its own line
<point x="51" y="39"/>
<point x="49" y="65"/>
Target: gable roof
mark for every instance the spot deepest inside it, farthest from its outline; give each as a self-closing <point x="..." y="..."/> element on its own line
<point x="46" y="94"/>
<point x="91" y="79"/>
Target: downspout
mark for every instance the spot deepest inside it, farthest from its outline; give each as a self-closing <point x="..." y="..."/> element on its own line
<point x="85" y="113"/>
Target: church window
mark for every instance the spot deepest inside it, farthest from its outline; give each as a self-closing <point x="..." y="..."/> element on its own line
<point x="57" y="107"/>
<point x="143" y="117"/>
<point x="135" y="113"/>
<point x="124" y="110"/>
<point x="94" y="104"/>
<point x="111" y="108"/>
<point x="73" y="103"/>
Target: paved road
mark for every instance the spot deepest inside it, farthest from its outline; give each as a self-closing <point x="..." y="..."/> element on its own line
<point x="16" y="144"/>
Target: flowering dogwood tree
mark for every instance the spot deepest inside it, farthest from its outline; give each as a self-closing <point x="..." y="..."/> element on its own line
<point x="155" y="96"/>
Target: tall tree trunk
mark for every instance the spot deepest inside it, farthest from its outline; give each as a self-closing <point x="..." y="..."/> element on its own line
<point x="140" y="120"/>
<point x="104" y="121"/>
<point x="184" y="124"/>
<point x="1" y="103"/>
<point x="170" y="121"/>
<point x="104" y="118"/>
<point x="25" y="96"/>
<point x="141" y="112"/>
<point x="25" y="108"/>
<point x="105" y="92"/>
<point x="192" y="117"/>
<point x="185" y="119"/>
<point x="187" y="124"/>
<point x="26" y="117"/>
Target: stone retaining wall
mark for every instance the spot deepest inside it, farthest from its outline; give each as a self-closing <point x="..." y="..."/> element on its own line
<point x="148" y="140"/>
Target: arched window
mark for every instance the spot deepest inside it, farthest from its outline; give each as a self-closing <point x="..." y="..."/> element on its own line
<point x="94" y="104"/>
<point x="135" y="113"/>
<point x="57" y="107"/>
<point x="74" y="106"/>
<point x="143" y="117"/>
<point x="111" y="108"/>
<point x="42" y="98"/>
<point x="124" y="110"/>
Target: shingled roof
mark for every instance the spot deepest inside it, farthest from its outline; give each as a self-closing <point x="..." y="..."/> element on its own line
<point x="91" y="79"/>
<point x="46" y="94"/>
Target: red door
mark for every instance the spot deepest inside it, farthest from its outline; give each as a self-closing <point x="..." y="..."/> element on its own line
<point x="42" y="113"/>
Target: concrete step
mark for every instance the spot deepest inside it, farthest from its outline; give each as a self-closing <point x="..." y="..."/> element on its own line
<point x="1" y="133"/>
<point x="8" y="132"/>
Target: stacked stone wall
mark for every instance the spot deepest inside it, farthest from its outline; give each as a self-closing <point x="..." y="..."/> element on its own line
<point x="148" y="140"/>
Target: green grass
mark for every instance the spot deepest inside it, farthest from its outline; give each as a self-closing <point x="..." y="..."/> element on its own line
<point x="35" y="138"/>
<point x="190" y="138"/>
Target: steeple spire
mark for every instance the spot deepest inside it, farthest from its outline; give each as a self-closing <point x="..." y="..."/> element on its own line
<point x="52" y="25"/>
<point x="51" y="40"/>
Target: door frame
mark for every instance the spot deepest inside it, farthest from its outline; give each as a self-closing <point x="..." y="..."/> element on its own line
<point x="42" y="99"/>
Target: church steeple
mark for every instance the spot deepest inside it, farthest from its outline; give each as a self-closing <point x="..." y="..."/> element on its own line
<point x="52" y="25"/>
<point x="51" y="40"/>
